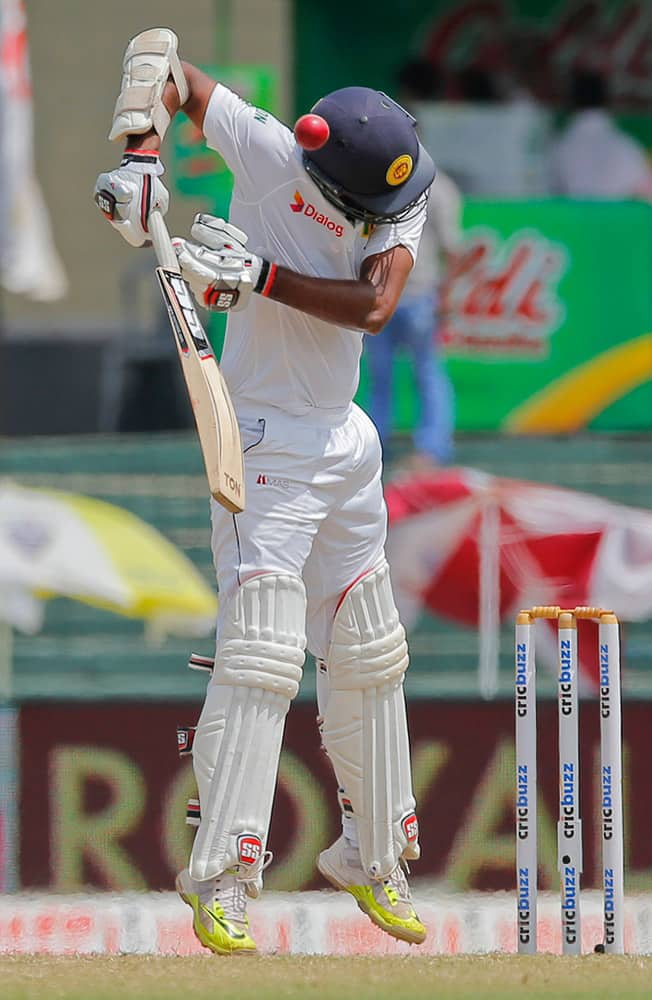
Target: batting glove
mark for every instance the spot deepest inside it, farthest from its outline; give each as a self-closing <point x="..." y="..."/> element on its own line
<point x="220" y="270"/>
<point x="127" y="195"/>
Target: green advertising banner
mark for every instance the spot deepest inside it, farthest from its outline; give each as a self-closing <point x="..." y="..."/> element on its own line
<point x="550" y="326"/>
<point x="199" y="172"/>
<point x="550" y="322"/>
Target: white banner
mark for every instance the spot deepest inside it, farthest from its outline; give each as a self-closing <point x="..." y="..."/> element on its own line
<point x="29" y="262"/>
<point x="299" y="923"/>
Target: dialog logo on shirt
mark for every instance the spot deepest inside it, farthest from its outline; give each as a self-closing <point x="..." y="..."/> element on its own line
<point x="301" y="207"/>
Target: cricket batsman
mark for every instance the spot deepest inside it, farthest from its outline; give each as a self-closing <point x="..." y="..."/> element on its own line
<point x="316" y="253"/>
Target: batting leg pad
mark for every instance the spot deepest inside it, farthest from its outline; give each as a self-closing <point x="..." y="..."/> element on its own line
<point x="237" y="744"/>
<point x="365" y="726"/>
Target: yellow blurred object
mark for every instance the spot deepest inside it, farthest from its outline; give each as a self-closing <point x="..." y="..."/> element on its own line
<point x="65" y="544"/>
<point x="572" y="401"/>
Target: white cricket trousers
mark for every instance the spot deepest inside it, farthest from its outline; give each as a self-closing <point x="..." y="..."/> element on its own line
<point x="314" y="507"/>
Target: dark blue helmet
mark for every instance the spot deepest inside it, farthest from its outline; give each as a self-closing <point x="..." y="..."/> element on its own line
<point x="373" y="167"/>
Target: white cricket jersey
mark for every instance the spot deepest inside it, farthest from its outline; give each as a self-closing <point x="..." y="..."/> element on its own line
<point x="273" y="354"/>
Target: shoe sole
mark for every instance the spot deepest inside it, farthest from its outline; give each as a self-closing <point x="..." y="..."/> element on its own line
<point x="209" y="947"/>
<point x="400" y="933"/>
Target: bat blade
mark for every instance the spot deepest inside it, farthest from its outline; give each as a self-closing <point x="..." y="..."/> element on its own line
<point x="217" y="426"/>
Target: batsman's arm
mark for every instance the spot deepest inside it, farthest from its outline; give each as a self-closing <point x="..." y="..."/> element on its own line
<point x="200" y="87"/>
<point x="153" y="87"/>
<point x="366" y="303"/>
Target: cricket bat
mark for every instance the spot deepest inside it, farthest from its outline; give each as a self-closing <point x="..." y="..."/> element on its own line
<point x="217" y="427"/>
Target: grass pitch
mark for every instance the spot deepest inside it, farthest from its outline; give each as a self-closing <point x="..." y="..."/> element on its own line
<point x="286" y="977"/>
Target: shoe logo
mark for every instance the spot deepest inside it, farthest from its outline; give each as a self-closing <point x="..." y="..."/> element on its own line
<point x="249" y="849"/>
<point x="224" y="924"/>
<point x="410" y="826"/>
<point x="301" y="207"/>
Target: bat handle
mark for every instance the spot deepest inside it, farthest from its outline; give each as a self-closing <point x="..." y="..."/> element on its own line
<point x="161" y="241"/>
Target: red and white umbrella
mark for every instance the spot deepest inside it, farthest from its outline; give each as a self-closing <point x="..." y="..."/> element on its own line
<point x="475" y="548"/>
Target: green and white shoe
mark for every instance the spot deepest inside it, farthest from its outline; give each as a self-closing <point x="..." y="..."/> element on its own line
<point x="219" y="906"/>
<point x="387" y="902"/>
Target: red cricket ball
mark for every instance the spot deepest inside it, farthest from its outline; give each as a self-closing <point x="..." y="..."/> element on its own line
<point x="311" y="131"/>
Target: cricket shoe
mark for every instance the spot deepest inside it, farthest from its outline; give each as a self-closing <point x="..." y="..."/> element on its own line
<point x="219" y="907"/>
<point x="387" y="902"/>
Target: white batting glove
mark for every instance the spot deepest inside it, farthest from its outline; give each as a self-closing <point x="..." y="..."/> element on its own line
<point x="217" y="234"/>
<point x="220" y="270"/>
<point x="127" y="195"/>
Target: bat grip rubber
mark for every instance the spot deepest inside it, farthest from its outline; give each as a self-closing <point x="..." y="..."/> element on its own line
<point x="161" y="241"/>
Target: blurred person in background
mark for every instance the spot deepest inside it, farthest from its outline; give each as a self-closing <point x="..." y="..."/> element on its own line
<point x="593" y="158"/>
<point x="413" y="328"/>
<point x="478" y="85"/>
<point x="332" y="235"/>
